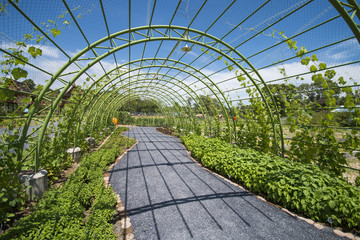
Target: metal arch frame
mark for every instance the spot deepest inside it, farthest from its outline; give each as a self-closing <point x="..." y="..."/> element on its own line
<point x="111" y="81"/>
<point x="133" y="97"/>
<point x="124" y="98"/>
<point x="146" y="39"/>
<point x="172" y="67"/>
<point x="339" y="6"/>
<point x="113" y="108"/>
<point x="163" y="91"/>
<point x="151" y="98"/>
<point x="153" y="94"/>
<point x="176" y="95"/>
<point x="184" y="87"/>
<point x="182" y="70"/>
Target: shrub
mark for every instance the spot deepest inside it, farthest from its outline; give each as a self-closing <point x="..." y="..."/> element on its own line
<point x="303" y="188"/>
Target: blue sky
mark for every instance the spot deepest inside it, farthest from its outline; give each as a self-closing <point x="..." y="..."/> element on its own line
<point x="92" y="23"/>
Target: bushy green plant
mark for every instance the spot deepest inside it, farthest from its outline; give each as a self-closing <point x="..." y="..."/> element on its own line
<point x="60" y="213"/>
<point x="357" y="181"/>
<point x="304" y="188"/>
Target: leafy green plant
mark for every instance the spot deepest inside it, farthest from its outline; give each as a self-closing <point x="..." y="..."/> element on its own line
<point x="304" y="188"/>
<point x="357" y="181"/>
<point x="318" y="143"/>
<point x="60" y="213"/>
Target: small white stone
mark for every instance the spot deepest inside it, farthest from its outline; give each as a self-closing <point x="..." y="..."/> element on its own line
<point x="309" y="221"/>
<point x="319" y="226"/>
<point x="342" y="234"/>
<point x="129" y="236"/>
<point x="125" y="224"/>
<point x="261" y="198"/>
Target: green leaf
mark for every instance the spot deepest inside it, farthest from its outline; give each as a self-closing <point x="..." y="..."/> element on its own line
<point x="39" y="39"/>
<point x="230" y="68"/>
<point x="305" y="61"/>
<point x="241" y="78"/>
<point x="28" y="36"/>
<point x="330" y="73"/>
<point x="342" y="81"/>
<point x="12" y="203"/>
<point x="19" y="61"/>
<point x="21" y="44"/>
<point x="332" y="204"/>
<point x="55" y="32"/>
<point x="34" y="51"/>
<point x="314" y="58"/>
<point x="219" y="57"/>
<point x="322" y="66"/>
<point x="18" y="73"/>
<point x="313" y="68"/>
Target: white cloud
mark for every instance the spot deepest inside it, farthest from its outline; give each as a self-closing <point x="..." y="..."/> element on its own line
<point x="341" y="52"/>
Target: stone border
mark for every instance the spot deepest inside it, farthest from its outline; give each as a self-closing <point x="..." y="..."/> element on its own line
<point x="308" y="220"/>
<point x="122" y="227"/>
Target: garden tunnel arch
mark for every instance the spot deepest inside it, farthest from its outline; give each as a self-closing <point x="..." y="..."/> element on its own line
<point x="181" y="99"/>
<point x="227" y="51"/>
<point x="133" y="36"/>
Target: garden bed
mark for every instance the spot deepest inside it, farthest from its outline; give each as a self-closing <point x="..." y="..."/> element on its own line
<point x="83" y="207"/>
<point x="302" y="188"/>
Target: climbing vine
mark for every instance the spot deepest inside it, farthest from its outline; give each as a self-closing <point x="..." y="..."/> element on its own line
<point x="320" y="144"/>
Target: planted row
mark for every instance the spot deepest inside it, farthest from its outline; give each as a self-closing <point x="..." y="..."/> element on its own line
<point x="83" y="207"/>
<point x="303" y="188"/>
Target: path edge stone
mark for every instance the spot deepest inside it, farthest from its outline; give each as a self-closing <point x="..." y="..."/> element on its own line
<point x="122" y="227"/>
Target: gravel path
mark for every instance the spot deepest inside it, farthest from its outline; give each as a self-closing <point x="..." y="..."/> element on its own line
<point x="168" y="196"/>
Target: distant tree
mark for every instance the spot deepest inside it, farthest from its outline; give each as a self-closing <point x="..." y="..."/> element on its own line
<point x="282" y="93"/>
<point x="189" y="101"/>
<point x="140" y="105"/>
<point x="314" y="92"/>
<point x="209" y="103"/>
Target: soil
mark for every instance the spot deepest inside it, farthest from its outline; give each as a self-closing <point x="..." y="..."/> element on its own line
<point x="164" y="131"/>
<point x="64" y="176"/>
<point x="18" y="215"/>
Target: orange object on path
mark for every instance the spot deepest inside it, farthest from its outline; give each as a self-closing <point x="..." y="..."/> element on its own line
<point x="115" y="121"/>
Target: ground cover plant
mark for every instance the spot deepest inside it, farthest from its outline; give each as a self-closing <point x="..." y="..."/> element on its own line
<point x="303" y="188"/>
<point x="82" y="207"/>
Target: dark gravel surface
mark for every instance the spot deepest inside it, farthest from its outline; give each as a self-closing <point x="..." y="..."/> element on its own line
<point x="168" y="196"/>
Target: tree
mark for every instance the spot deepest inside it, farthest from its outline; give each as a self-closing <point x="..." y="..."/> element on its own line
<point x="210" y="103"/>
<point x="282" y="93"/>
<point x="140" y="105"/>
<point x="314" y="92"/>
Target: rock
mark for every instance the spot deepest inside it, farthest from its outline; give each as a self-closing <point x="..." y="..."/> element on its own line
<point x="319" y="226"/>
<point x="129" y="236"/>
<point x="75" y="154"/>
<point x="343" y="234"/>
<point x="38" y="184"/>
<point x="90" y="141"/>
